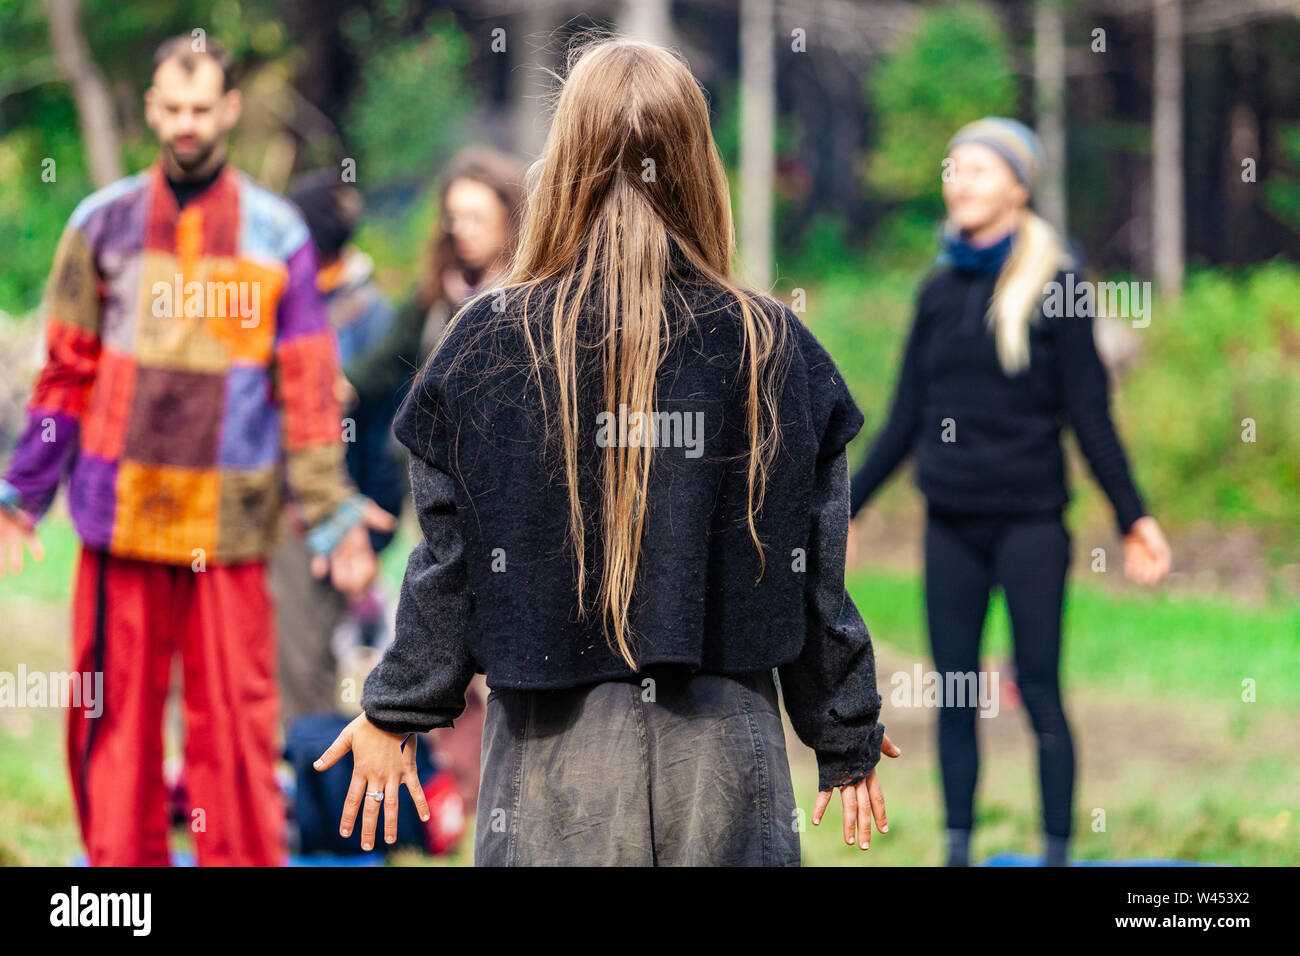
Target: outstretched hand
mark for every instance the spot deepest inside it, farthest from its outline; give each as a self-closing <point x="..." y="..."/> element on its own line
<point x="380" y="766"/>
<point x="862" y="802"/>
<point x="1147" y="556"/>
<point x="15" y="532"/>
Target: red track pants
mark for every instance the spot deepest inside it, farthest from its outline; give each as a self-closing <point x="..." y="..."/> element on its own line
<point x="129" y="618"/>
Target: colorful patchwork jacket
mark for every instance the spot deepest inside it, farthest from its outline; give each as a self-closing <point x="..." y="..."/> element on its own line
<point x="190" y="377"/>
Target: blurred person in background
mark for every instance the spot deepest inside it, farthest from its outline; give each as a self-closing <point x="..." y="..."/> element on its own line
<point x="309" y="610"/>
<point x="988" y="377"/>
<point x="329" y="639"/>
<point x="176" y="423"/>
<point x="479" y="203"/>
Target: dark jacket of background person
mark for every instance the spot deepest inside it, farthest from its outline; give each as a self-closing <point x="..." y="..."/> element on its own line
<point x="381" y="376"/>
<point x="362" y="318"/>
<point x="309" y="610"/>
<point x="1006" y="456"/>
<point x="483" y="497"/>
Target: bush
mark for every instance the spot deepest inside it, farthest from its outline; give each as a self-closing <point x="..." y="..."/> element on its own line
<point x="1229" y="352"/>
<point x="412" y="106"/>
<point x="955" y="68"/>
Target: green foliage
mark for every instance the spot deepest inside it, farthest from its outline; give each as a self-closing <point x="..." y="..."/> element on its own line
<point x="411" y="109"/>
<point x="823" y="248"/>
<point x="955" y="68"/>
<point x="907" y="239"/>
<point x="725" y="110"/>
<point x="726" y="116"/>
<point x="33" y="211"/>
<point x="1229" y="351"/>
<point x="399" y="246"/>
<point x="862" y="319"/>
<point x="1281" y="191"/>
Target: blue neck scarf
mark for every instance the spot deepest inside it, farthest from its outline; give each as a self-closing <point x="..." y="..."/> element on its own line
<point x="963" y="256"/>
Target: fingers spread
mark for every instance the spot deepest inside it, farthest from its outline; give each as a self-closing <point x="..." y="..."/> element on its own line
<point x="864" y="814"/>
<point x="416" y="789"/>
<point x="356" y="791"/>
<point x="342" y="744"/>
<point x="877" y="796"/>
<point x="391" y="792"/>
<point x="370" y="814"/>
<point x="849" y="799"/>
<point x="823" y="800"/>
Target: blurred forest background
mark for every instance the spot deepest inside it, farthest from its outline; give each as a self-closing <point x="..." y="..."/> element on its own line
<point x="855" y="101"/>
<point x="1173" y="132"/>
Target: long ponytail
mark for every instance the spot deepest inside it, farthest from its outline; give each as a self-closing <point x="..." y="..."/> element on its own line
<point x="1037" y="254"/>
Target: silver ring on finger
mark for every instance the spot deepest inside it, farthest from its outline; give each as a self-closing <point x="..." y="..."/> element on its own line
<point x="377" y="795"/>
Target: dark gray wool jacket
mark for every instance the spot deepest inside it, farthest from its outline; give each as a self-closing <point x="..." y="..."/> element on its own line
<point x="492" y="586"/>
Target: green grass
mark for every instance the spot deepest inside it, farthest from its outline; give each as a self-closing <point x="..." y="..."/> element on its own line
<point x="1154" y="643"/>
<point x="1179" y="765"/>
<point x="35" y="794"/>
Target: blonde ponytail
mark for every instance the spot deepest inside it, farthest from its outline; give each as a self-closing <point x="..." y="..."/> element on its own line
<point x="1037" y="254"/>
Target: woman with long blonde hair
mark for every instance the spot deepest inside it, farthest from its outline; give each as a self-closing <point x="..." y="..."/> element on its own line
<point x="631" y="480"/>
<point x="990" y="371"/>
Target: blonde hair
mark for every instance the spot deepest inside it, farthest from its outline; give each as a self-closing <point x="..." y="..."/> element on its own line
<point x="629" y="166"/>
<point x="1037" y="255"/>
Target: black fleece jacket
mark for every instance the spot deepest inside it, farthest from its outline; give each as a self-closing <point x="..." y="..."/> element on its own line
<point x="987" y="442"/>
<point x="491" y="586"/>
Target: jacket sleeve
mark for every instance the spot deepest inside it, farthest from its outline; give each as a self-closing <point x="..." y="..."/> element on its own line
<point x="307" y="368"/>
<point x="898" y="435"/>
<point x="421" y="681"/>
<point x="51" y="435"/>
<point x="830" y="690"/>
<point x="1086" y="390"/>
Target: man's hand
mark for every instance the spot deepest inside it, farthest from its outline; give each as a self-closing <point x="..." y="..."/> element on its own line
<point x="862" y="801"/>
<point x="352" y="564"/>
<point x="15" y="531"/>
<point x="346" y="394"/>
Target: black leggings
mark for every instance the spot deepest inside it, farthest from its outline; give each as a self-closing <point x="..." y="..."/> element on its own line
<point x="1028" y="555"/>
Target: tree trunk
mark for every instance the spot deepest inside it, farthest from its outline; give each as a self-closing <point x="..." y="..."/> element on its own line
<point x="757" y="133"/>
<point x="93" y="98"/>
<point x="647" y="20"/>
<point x="1167" y="148"/>
<point x="1241" y="233"/>
<point x="530" y="58"/>
<point x="1049" y="104"/>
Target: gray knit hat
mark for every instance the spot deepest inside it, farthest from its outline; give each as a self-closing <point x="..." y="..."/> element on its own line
<point x="1011" y="139"/>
